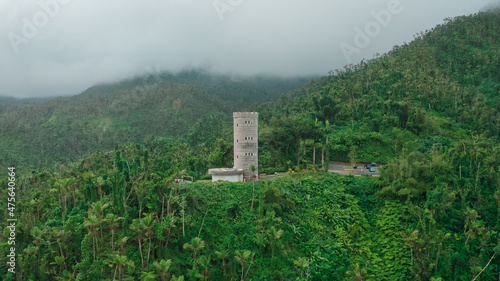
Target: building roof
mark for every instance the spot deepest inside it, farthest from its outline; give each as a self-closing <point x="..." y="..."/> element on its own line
<point x="225" y="171"/>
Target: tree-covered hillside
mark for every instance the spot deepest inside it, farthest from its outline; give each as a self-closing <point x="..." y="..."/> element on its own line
<point x="442" y="89"/>
<point x="428" y="110"/>
<point x="165" y="105"/>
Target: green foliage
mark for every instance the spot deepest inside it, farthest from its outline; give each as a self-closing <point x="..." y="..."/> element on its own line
<point x="194" y="106"/>
<point x="427" y="110"/>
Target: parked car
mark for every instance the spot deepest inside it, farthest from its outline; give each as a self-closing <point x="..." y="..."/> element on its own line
<point x="371" y="167"/>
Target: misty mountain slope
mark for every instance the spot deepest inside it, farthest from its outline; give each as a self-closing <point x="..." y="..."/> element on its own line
<point x="63" y="129"/>
<point x="11" y="100"/>
<point x="237" y="89"/>
<point x="440" y="89"/>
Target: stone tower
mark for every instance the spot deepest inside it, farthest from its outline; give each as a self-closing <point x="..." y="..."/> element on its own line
<point x="246" y="142"/>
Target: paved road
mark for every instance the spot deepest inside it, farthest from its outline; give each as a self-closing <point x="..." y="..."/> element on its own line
<point x="334" y="167"/>
<point x="345" y="169"/>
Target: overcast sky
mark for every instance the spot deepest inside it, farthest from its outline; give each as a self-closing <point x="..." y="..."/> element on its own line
<point x="62" y="47"/>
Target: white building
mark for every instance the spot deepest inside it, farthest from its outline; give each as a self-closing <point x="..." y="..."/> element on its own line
<point x="226" y="174"/>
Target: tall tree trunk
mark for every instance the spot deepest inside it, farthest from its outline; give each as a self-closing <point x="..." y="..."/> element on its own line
<point x="322" y="157"/>
<point x="298" y="153"/>
<point x="140" y="250"/>
<point x="202" y="222"/>
<point x="94" y="239"/>
<point x="477" y="175"/>
<point x="112" y="240"/>
<point x="183" y="231"/>
<point x="102" y="236"/>
<point x="96" y="244"/>
<point x="162" y="206"/>
<point x="484" y="268"/>
<point x="253" y="194"/>
<point x="149" y="249"/>
<point x="314" y="155"/>
<point x="327" y="160"/>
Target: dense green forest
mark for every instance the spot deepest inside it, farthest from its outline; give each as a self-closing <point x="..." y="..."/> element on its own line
<point x="165" y="105"/>
<point x="429" y="110"/>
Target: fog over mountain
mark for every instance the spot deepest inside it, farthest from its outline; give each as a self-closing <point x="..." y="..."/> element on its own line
<point x="62" y="47"/>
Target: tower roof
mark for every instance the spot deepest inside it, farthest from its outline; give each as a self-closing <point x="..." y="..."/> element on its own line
<point x="225" y="171"/>
<point x="245" y="114"/>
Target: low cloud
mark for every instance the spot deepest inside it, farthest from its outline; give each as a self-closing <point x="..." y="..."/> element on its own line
<point x="62" y="47"/>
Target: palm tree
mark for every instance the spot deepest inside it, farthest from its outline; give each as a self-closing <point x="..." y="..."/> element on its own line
<point x="242" y="256"/>
<point x="274" y="236"/>
<point x="31" y="252"/>
<point x="183" y="205"/>
<point x="112" y="219"/>
<point x="91" y="223"/>
<point x="62" y="187"/>
<point x="252" y="169"/>
<point x="325" y="132"/>
<point x="121" y="244"/>
<point x="297" y="230"/>
<point x="148" y="276"/>
<point x="59" y="235"/>
<point x="98" y="210"/>
<point x="100" y="182"/>
<point x="360" y="273"/>
<point x="144" y="229"/>
<point x="148" y="231"/>
<point x="302" y="264"/>
<point x="120" y="261"/>
<point x="37" y="236"/>
<point x="60" y="261"/>
<point x="36" y="205"/>
<point x="196" y="245"/>
<point x="162" y="268"/>
<point x="67" y="276"/>
<point x="222" y="256"/>
<point x="204" y="262"/>
<point x="140" y="191"/>
<point x="167" y="225"/>
<point x="137" y="226"/>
